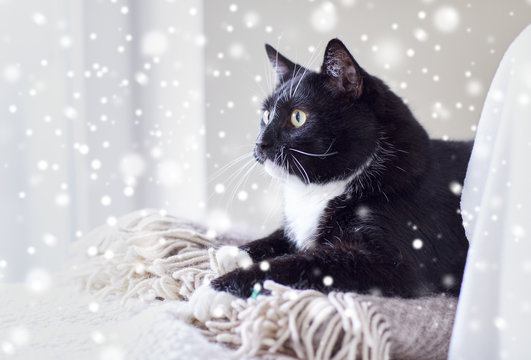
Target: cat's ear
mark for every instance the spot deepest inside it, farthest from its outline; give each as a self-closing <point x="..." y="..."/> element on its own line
<point x="282" y="65"/>
<point x="343" y="72"/>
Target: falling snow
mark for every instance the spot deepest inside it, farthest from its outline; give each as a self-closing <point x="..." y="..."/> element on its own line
<point x="446" y="19"/>
<point x="417" y="244"/>
<point x="324" y="17"/>
<point x="328" y="280"/>
<point x="38" y="280"/>
<point x="94" y="307"/>
<point x="120" y="127"/>
<point x="456" y="188"/>
<point x="154" y="43"/>
<point x="264" y="266"/>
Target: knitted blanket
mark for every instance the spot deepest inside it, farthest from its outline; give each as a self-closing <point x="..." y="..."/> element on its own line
<point x="156" y="257"/>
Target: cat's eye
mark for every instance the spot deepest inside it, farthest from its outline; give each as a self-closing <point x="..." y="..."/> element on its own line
<point x="298" y="117"/>
<point x="265" y="117"/>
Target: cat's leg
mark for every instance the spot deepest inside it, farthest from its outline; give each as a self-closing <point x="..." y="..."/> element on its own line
<point x="273" y="245"/>
<point x="230" y="257"/>
<point x="327" y="270"/>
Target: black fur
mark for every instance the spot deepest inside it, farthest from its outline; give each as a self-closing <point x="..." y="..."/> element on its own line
<point x="402" y="193"/>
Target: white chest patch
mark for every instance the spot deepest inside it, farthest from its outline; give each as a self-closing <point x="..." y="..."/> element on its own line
<point x="304" y="206"/>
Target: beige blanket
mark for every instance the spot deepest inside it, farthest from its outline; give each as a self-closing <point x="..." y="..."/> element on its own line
<point x="156" y="257"/>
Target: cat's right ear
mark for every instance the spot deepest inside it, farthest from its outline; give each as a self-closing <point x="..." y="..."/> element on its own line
<point x="343" y="72"/>
<point x="282" y="65"/>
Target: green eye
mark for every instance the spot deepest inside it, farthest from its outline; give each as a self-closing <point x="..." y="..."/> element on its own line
<point x="298" y="117"/>
<point x="265" y="117"/>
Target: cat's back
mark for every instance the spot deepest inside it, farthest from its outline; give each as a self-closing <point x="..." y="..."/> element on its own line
<point x="442" y="181"/>
<point x="450" y="158"/>
<point x="430" y="212"/>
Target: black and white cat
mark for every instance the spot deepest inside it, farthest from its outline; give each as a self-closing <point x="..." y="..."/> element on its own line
<point x="369" y="200"/>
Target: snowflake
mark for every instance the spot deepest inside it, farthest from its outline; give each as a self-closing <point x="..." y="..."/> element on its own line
<point x="38" y="280"/>
<point x="97" y="337"/>
<point x="106" y="200"/>
<point x="420" y="34"/>
<point x="94" y="307"/>
<point x="417" y="244"/>
<point x="39" y="19"/>
<point x="389" y="53"/>
<point x="456" y="187"/>
<point x="328" y="280"/>
<point x="474" y="87"/>
<point x="49" y="239"/>
<point x="219" y="188"/>
<point x="324" y="18"/>
<point x="132" y="165"/>
<point x="141" y="78"/>
<point x="251" y="19"/>
<point x="243" y="195"/>
<point x="265" y="266"/>
<point x="12" y="73"/>
<point x="446" y="19"/>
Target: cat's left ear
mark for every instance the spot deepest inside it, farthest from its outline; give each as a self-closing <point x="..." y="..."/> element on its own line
<point x="344" y="73"/>
<point x="282" y="65"/>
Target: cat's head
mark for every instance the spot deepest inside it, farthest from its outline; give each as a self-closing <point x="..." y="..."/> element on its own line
<point x="319" y="126"/>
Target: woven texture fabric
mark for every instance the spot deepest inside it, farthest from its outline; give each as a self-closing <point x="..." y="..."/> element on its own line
<point x="154" y="257"/>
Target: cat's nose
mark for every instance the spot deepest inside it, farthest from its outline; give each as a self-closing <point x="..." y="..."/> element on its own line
<point x="262" y="144"/>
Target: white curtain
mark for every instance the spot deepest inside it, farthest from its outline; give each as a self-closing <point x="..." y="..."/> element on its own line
<point x="493" y="318"/>
<point x="101" y="108"/>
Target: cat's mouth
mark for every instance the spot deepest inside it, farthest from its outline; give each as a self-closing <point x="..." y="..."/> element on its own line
<point x="276" y="171"/>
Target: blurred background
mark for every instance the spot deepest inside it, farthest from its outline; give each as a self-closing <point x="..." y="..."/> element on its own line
<point x="108" y="106"/>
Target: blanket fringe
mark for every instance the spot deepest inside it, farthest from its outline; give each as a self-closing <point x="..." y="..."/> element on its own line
<point x="305" y="324"/>
<point x="151" y="256"/>
<point x="145" y="255"/>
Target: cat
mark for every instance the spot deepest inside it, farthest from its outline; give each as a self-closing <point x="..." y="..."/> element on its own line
<point x="371" y="203"/>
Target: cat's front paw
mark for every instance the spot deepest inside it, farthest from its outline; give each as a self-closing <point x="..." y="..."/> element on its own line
<point x="207" y="303"/>
<point x="240" y="282"/>
<point x="229" y="258"/>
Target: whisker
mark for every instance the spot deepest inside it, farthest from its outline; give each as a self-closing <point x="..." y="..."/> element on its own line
<point x="268" y="76"/>
<point x="301" y="170"/>
<point x="230" y="164"/>
<point x="399" y="168"/>
<point x="283" y="164"/>
<point x="276" y="60"/>
<point x="294" y="75"/>
<point x="274" y="111"/>
<point x="263" y="92"/>
<point x="278" y="157"/>
<point x="291" y="81"/>
<point x="240" y="183"/>
<point x="310" y="62"/>
<point x="276" y="205"/>
<point x="323" y="155"/>
<point x="230" y="180"/>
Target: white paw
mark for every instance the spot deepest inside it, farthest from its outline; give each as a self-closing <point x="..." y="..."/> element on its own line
<point x="207" y="303"/>
<point x="229" y="257"/>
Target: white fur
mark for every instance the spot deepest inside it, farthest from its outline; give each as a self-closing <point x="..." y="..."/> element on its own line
<point x="230" y="257"/>
<point x="304" y="203"/>
<point x="276" y="171"/>
<point x="207" y="303"/>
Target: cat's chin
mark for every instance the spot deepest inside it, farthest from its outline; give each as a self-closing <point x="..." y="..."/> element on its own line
<point x="275" y="171"/>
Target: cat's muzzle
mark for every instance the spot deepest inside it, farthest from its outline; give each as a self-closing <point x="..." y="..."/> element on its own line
<point x="259" y="152"/>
